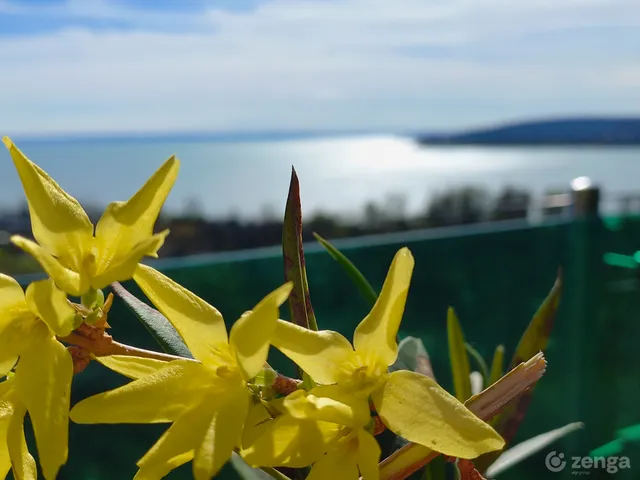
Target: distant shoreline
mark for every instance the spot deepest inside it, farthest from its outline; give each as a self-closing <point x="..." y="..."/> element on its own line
<point x="605" y="132"/>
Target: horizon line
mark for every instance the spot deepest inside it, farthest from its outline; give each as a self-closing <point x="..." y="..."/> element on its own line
<point x="288" y="134"/>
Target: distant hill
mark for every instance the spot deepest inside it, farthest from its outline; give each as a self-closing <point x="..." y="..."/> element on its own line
<point x="576" y="131"/>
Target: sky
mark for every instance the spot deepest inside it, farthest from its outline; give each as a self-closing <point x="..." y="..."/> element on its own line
<point x="97" y="66"/>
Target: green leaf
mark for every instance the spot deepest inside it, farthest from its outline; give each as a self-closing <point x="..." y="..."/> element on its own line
<point x="458" y="357"/>
<point x="294" y="264"/>
<point x="534" y="340"/>
<point x="630" y="434"/>
<point x="482" y="365"/>
<point x="250" y="473"/>
<point x="356" y="276"/>
<point x="435" y="469"/>
<point x="529" y="447"/>
<point x="537" y="334"/>
<point x="496" y="365"/>
<point x="157" y="324"/>
<point x="624" y="437"/>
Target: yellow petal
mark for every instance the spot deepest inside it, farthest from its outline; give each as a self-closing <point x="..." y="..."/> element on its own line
<point x="51" y="305"/>
<point x="58" y="221"/>
<point x="43" y="381"/>
<point x="15" y="322"/>
<point x="328" y="404"/>
<point x="336" y="465"/>
<point x="159" y="397"/>
<point x="122" y="267"/>
<point x="418" y="409"/>
<point x="24" y="465"/>
<point x="132" y="367"/>
<point x="224" y="431"/>
<point x="160" y="470"/>
<point x="376" y="334"/>
<point x="368" y="456"/>
<point x="320" y="354"/>
<point x="177" y="445"/>
<point x="6" y="413"/>
<point x="126" y="224"/>
<point x="67" y="280"/>
<point x="11" y="294"/>
<point x="251" y="334"/>
<point x="290" y="442"/>
<point x="198" y="323"/>
<point x="254" y="425"/>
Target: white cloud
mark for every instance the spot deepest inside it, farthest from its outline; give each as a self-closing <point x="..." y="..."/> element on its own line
<point x="317" y="64"/>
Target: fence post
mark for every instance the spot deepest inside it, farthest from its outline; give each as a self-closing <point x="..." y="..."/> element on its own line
<point x="582" y="289"/>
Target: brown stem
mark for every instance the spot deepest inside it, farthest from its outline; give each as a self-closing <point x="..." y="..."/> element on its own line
<point x="117" y="348"/>
<point x="94" y="340"/>
<point x="285" y="385"/>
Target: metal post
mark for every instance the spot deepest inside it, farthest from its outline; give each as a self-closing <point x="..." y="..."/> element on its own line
<point x="582" y="292"/>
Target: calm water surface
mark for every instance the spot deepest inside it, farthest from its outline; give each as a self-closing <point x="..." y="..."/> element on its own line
<point x="337" y="175"/>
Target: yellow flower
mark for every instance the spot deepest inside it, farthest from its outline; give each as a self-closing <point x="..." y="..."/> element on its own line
<point x="411" y="405"/>
<point x="42" y="380"/>
<point x="326" y="427"/>
<point x="70" y="253"/>
<point x="207" y="402"/>
<point x="13" y="451"/>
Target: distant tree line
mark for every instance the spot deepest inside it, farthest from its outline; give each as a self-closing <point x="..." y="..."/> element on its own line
<point x="192" y="232"/>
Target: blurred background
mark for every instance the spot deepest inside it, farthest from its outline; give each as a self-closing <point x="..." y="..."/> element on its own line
<point x="498" y="140"/>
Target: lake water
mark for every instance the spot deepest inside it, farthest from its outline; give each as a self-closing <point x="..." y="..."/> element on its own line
<point x="336" y="174"/>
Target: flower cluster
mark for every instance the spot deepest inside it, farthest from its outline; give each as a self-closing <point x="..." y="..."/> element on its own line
<point x="214" y="403"/>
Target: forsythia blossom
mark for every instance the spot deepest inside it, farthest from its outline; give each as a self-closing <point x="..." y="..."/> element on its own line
<point x="67" y="248"/>
<point x="207" y="401"/>
<point x="220" y="401"/>
<point x="412" y="405"/>
<point x="338" y="440"/>
<point x="42" y="380"/>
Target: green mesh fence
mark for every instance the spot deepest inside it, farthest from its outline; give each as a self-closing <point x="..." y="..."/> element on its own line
<point x="495" y="275"/>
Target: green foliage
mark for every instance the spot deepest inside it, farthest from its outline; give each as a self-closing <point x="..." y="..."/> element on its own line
<point x="497" y="365"/>
<point x="624" y="438"/>
<point x="458" y="357"/>
<point x="356" y="276"/>
<point x="156" y="323"/>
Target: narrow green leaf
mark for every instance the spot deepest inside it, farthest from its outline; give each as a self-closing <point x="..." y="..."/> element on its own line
<point x="250" y="473"/>
<point x="611" y="449"/>
<point x="624" y="437"/>
<point x="524" y="450"/>
<point x="533" y="340"/>
<point x="294" y="264"/>
<point x="458" y="356"/>
<point x="157" y="324"/>
<point x="630" y="434"/>
<point x="497" y="365"/>
<point x="482" y="365"/>
<point x="356" y="276"/>
<point x="537" y="334"/>
<point x="435" y="470"/>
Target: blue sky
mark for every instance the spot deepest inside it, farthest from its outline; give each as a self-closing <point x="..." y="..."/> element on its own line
<point x="89" y="66"/>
